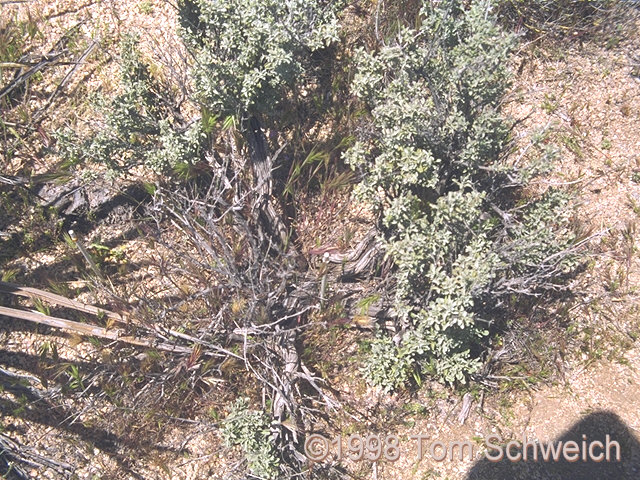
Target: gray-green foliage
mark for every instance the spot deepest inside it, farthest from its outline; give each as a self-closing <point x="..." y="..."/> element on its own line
<point x="249" y="429"/>
<point x="249" y="55"/>
<point x="247" y="52"/>
<point x="138" y="126"/>
<point x="433" y="176"/>
<point x="389" y="366"/>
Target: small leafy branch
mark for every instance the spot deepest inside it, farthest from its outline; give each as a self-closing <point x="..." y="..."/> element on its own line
<point x="142" y="125"/>
<point x="250" y="429"/>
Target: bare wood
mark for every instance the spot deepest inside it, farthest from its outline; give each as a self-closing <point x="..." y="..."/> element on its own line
<point x="262" y="166"/>
<point x="30" y="457"/>
<point x="22" y="78"/>
<point x="289" y="355"/>
<point x="261" y="162"/>
<point x="86" y="255"/>
<point x="467" y="400"/>
<point x="90" y="330"/>
<point x="357" y="261"/>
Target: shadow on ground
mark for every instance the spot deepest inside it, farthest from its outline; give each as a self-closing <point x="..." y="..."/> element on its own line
<point x="594" y="427"/>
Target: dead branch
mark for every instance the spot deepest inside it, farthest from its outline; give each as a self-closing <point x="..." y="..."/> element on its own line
<point x="359" y="262"/>
<point x="27" y="456"/>
<point x="21" y="78"/>
<point x="65" y="80"/>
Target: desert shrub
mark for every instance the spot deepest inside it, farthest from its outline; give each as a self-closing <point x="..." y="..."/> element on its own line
<point x="138" y="126"/>
<point x="248" y="56"/>
<point x="444" y="198"/>
<point x="249" y="429"/>
<point x="250" y="53"/>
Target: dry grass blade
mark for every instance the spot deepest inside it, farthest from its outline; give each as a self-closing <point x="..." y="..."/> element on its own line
<point x="91" y="330"/>
<point x="30" y="292"/>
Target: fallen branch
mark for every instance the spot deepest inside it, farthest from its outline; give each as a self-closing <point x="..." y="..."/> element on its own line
<point x="360" y="261"/>
<point x="27" y="456"/>
<point x="85" y="329"/>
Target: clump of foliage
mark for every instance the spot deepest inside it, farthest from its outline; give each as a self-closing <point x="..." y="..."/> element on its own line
<point x="250" y="430"/>
<point x="388" y="366"/>
<point x="249" y="52"/>
<point x="141" y="125"/>
<point x="563" y="18"/>
<point x="434" y="175"/>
